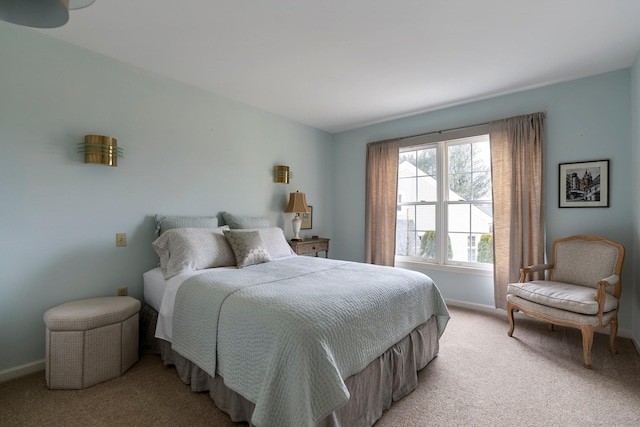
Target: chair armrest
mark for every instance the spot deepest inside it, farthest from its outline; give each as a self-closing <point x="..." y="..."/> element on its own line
<point x="603" y="284"/>
<point x="533" y="268"/>
<point x="609" y="281"/>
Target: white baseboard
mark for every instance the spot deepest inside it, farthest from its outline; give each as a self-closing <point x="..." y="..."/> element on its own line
<point x="623" y="333"/>
<point x="22" y="370"/>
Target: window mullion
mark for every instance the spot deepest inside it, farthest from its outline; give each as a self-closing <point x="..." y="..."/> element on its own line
<point x="441" y="216"/>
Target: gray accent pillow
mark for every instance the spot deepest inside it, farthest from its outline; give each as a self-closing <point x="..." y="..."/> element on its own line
<point x="189" y="249"/>
<point x="164" y="222"/>
<point x="247" y="247"/>
<point x="242" y="222"/>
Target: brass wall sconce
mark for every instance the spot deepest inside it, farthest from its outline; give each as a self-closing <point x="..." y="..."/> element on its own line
<point x="100" y="149"/>
<point x="282" y="174"/>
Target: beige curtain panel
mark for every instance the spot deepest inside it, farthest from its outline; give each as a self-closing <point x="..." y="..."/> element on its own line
<point x="381" y="201"/>
<point x="518" y="204"/>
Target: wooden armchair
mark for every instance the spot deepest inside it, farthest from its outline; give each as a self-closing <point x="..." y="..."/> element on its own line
<point x="582" y="289"/>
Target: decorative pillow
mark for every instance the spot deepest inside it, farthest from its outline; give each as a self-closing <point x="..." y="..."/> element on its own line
<point x="247" y="246"/>
<point x="235" y="221"/>
<point x="164" y="223"/>
<point x="275" y="242"/>
<point x="188" y="249"/>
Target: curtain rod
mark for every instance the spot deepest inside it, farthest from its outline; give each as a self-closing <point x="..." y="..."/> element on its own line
<point x="544" y="114"/>
<point x="443" y="130"/>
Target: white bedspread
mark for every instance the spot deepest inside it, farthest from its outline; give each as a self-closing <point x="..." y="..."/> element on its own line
<point x="285" y="334"/>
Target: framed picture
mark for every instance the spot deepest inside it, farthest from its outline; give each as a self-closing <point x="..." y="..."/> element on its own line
<point x="584" y="184"/>
<point x="307" y="219"/>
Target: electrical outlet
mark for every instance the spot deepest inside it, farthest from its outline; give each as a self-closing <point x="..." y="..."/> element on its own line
<point x="123" y="292"/>
<point x="121" y="239"/>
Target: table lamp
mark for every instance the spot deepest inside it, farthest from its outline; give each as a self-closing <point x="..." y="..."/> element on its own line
<point x="297" y="204"/>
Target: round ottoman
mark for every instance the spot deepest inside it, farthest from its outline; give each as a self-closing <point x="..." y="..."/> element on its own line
<point x="90" y="341"/>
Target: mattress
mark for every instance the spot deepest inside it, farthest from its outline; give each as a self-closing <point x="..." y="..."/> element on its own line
<point x="154" y="286"/>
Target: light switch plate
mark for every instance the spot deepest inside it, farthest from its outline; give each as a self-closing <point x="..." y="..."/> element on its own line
<point x="121" y="239"/>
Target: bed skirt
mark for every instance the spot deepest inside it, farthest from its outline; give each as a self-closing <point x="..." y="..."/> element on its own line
<point x="388" y="378"/>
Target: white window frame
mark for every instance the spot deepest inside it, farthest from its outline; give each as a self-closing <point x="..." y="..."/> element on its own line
<point x="441" y="140"/>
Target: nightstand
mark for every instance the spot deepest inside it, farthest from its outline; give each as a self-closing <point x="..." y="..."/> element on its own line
<point x="309" y="246"/>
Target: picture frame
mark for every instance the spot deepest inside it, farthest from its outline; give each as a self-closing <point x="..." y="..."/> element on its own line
<point x="584" y="184"/>
<point x="307" y="219"/>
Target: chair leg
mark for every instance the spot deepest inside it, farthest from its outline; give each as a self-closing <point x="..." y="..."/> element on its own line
<point x="587" y="341"/>
<point x="613" y="331"/>
<point x="512" y="324"/>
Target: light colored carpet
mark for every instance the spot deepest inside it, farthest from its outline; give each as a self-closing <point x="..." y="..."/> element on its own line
<point x="537" y="378"/>
<point x="481" y="378"/>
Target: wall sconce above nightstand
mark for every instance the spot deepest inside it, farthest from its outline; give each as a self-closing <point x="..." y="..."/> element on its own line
<point x="282" y="174"/>
<point x="100" y="149"/>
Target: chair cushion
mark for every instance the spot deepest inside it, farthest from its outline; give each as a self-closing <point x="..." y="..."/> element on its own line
<point x="555" y="315"/>
<point x="564" y="296"/>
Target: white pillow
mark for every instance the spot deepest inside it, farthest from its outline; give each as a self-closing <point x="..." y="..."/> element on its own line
<point x="189" y="249"/>
<point x="247" y="247"/>
<point x="276" y="243"/>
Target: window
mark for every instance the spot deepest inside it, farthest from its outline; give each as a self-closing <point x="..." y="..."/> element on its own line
<point x="471" y="246"/>
<point x="445" y="207"/>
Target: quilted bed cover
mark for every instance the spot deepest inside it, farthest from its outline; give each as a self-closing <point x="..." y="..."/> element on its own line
<point x="284" y="334"/>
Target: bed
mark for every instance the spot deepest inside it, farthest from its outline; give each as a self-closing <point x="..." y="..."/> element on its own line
<point x="284" y="340"/>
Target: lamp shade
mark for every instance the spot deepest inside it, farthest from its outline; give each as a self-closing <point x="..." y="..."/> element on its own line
<point x="297" y="203"/>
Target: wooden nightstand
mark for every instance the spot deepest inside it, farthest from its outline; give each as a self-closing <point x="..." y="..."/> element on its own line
<point x="309" y="246"/>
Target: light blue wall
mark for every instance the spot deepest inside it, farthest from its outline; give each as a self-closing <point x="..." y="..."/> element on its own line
<point x="635" y="161"/>
<point x="186" y="152"/>
<point x="193" y="153"/>
<point x="587" y="119"/>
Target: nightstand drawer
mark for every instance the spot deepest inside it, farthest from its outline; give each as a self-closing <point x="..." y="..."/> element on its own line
<point x="310" y="246"/>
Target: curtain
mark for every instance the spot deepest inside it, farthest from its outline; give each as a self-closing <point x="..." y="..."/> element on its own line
<point x="518" y="208"/>
<point x="381" y="201"/>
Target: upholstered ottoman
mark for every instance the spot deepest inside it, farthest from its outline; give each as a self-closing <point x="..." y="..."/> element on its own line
<point x="90" y="341"/>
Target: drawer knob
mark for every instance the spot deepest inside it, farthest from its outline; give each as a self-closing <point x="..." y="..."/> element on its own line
<point x="313" y="247"/>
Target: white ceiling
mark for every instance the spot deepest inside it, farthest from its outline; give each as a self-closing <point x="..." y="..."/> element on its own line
<point x="341" y="64"/>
